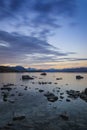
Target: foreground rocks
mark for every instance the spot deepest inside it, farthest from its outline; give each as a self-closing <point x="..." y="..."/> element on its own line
<point x="77" y="94"/>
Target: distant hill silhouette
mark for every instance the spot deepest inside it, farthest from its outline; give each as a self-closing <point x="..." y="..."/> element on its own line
<point x="7" y="69"/>
<point x="22" y="69"/>
<point x="81" y="69"/>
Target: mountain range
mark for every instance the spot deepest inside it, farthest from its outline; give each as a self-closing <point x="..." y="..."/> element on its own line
<point x="22" y="69"/>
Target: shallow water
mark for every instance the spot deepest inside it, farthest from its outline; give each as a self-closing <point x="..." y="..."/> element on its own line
<point x="40" y="113"/>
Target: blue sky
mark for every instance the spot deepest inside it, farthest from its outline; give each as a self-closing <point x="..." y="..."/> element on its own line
<point x="43" y="34"/>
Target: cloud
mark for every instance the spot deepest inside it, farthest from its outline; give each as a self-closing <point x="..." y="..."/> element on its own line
<point x="40" y="14"/>
<point x="19" y="48"/>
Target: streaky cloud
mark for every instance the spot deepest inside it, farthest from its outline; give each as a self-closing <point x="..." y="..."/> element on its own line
<point x="43" y="15"/>
<point x="28" y="48"/>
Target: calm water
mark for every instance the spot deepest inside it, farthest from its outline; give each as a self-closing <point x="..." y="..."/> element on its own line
<point x="40" y="113"/>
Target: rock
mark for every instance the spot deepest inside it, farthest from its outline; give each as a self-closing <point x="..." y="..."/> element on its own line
<point x="41" y="90"/>
<point x="79" y="77"/>
<point x="85" y="91"/>
<point x="61" y="93"/>
<point x="58" y="78"/>
<point x="10" y="124"/>
<point x="55" y="83"/>
<point x="27" y="77"/>
<point x="25" y="88"/>
<point x="5" y="96"/>
<point x="6" y="88"/>
<point x="49" y="82"/>
<point x="7" y="85"/>
<point x="83" y="95"/>
<point x="64" y="116"/>
<point x="61" y="97"/>
<point x="11" y="101"/>
<point x="51" y="97"/>
<point x="12" y="95"/>
<point x="20" y="94"/>
<point x="43" y="73"/>
<point x="48" y="94"/>
<point x="73" y="94"/>
<point x="18" y="118"/>
<point x="68" y="100"/>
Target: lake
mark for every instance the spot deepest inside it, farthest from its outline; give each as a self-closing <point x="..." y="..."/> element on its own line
<point x="27" y="97"/>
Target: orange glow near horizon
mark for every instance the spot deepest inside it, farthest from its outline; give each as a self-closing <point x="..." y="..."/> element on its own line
<point x="56" y="65"/>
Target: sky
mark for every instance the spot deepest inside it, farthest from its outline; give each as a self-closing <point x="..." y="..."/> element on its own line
<point x="43" y="33"/>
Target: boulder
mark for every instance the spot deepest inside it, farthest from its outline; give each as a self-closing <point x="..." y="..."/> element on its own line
<point x="41" y="90"/>
<point x="79" y="77"/>
<point x="26" y="77"/>
<point x="51" y="97"/>
<point x="43" y="73"/>
<point x="58" y="78"/>
<point x="85" y="91"/>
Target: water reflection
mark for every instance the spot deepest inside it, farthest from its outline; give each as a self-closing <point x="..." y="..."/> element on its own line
<point x="26" y="98"/>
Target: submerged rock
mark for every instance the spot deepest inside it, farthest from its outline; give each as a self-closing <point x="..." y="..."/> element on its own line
<point x="64" y="116"/>
<point x="79" y="77"/>
<point x="18" y="118"/>
<point x="26" y="77"/>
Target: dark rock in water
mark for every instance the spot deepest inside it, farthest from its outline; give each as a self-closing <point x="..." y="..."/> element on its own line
<point x="83" y="95"/>
<point x="5" y="96"/>
<point x="26" y="77"/>
<point x="68" y="100"/>
<point x="61" y="93"/>
<point x="73" y="94"/>
<point x="41" y="90"/>
<point x="61" y="97"/>
<point x="11" y="101"/>
<point x="51" y="97"/>
<point x="55" y="83"/>
<point x="58" y="78"/>
<point x="48" y="94"/>
<point x="20" y="94"/>
<point x="79" y="77"/>
<point x="18" y="118"/>
<point x="6" y="88"/>
<point x="64" y="116"/>
<point x="7" y="85"/>
<point x="12" y="95"/>
<point x="44" y="73"/>
<point x="10" y="124"/>
<point x="25" y="88"/>
<point x="85" y="91"/>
